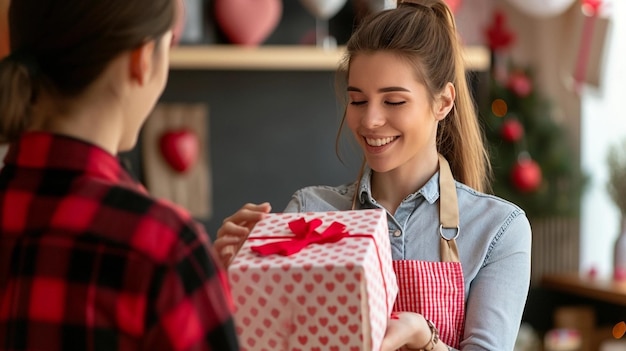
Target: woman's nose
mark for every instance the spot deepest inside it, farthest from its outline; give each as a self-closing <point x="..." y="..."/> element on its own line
<point x="373" y="117"/>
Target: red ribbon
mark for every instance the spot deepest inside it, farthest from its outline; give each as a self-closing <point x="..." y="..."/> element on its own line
<point x="591" y="9"/>
<point x="305" y="235"/>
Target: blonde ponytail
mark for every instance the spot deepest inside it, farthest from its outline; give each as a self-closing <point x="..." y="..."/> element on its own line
<point x="460" y="138"/>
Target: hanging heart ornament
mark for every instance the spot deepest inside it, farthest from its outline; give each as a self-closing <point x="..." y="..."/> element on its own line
<point x="179" y="149"/>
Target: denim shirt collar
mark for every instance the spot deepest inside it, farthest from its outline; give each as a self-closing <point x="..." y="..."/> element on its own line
<point x="430" y="190"/>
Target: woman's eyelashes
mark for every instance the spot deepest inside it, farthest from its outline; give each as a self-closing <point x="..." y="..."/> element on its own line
<point x="390" y="103"/>
<point x="357" y="103"/>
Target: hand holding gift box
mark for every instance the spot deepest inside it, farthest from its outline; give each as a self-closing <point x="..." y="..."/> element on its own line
<point x="326" y="282"/>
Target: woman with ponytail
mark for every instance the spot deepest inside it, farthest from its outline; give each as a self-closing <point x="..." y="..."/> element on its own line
<point x="88" y="259"/>
<point x="461" y="256"/>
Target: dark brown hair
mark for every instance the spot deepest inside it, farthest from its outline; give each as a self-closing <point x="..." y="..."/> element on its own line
<point x="64" y="46"/>
<point x="423" y="32"/>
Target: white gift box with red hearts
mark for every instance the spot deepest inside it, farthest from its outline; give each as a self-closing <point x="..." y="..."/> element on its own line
<point x="331" y="296"/>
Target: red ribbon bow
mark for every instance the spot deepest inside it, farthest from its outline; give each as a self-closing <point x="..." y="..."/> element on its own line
<point x="305" y="235"/>
<point x="499" y="37"/>
<point x="591" y="7"/>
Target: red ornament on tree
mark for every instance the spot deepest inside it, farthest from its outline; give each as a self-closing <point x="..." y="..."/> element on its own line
<point x="526" y="175"/>
<point x="512" y="130"/>
<point x="520" y="84"/>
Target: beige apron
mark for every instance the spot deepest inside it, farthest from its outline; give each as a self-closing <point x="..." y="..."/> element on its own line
<point x="437" y="289"/>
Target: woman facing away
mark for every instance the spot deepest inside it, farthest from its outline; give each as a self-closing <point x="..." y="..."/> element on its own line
<point x="462" y="257"/>
<point x="88" y="260"/>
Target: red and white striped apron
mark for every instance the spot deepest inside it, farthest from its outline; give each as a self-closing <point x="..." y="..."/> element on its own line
<point x="437" y="289"/>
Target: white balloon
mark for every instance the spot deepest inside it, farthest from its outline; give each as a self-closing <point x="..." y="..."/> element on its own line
<point x="323" y="9"/>
<point x="542" y="8"/>
<point x="379" y="5"/>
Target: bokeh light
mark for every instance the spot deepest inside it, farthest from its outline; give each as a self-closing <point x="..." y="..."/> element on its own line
<point x="499" y="108"/>
<point x="619" y="330"/>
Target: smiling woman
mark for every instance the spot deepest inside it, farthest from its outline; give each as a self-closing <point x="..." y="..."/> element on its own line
<point x="425" y="164"/>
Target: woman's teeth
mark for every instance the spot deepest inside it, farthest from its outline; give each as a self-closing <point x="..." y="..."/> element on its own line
<point x="379" y="142"/>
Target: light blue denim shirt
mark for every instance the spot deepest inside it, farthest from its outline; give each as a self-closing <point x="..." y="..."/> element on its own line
<point x="494" y="248"/>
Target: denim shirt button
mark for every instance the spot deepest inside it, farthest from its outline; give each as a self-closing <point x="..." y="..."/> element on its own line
<point x="397" y="233"/>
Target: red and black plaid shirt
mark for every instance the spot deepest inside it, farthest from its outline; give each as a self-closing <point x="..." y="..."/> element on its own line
<point x="89" y="261"/>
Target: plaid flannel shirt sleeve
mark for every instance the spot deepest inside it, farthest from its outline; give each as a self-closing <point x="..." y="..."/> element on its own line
<point x="190" y="303"/>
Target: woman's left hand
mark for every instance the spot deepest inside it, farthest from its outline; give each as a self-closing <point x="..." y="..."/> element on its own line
<point x="405" y="330"/>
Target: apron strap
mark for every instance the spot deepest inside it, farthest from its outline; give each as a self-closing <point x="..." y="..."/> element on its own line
<point x="448" y="212"/>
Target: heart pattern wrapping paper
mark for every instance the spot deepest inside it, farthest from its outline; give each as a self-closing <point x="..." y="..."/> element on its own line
<point x="334" y="296"/>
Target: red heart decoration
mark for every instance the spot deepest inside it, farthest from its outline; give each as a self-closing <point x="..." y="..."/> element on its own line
<point x="248" y="22"/>
<point x="179" y="149"/>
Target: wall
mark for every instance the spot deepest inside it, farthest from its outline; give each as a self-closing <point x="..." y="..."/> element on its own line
<point x="603" y="123"/>
<point x="270" y="133"/>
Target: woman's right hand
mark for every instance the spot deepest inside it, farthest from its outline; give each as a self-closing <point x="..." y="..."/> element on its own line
<point x="236" y="228"/>
<point x="407" y="331"/>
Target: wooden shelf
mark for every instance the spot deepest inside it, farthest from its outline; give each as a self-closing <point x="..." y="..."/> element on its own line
<point x="599" y="289"/>
<point x="281" y="58"/>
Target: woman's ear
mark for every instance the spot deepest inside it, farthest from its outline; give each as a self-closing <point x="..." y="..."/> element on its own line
<point x="445" y="101"/>
<point x="141" y="62"/>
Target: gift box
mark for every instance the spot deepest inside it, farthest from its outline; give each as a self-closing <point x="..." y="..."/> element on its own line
<point x="314" y="281"/>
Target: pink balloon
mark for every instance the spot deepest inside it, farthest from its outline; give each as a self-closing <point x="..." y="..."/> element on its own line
<point x="179" y="22"/>
<point x="453" y="5"/>
<point x="248" y="22"/>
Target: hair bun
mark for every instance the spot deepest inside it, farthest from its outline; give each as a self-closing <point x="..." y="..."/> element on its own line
<point x="411" y="2"/>
<point x="414" y="3"/>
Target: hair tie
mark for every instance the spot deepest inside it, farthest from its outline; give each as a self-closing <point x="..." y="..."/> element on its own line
<point x="26" y="59"/>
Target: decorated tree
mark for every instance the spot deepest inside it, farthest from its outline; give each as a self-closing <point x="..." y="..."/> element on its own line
<point x="533" y="163"/>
